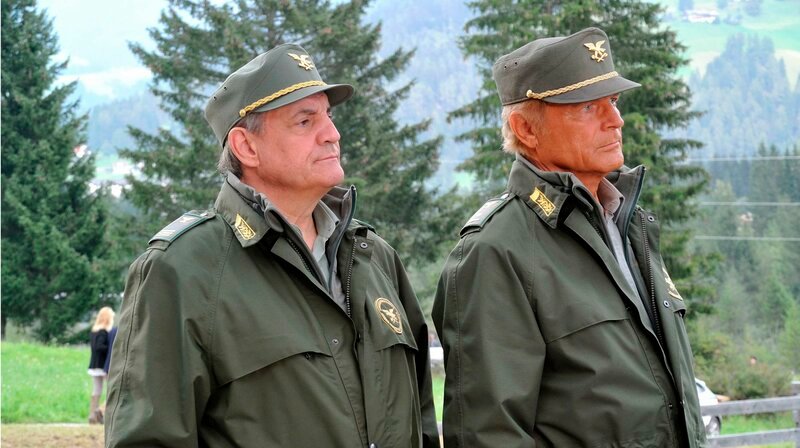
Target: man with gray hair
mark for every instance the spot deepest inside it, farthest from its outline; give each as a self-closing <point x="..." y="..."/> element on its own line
<point x="559" y="322"/>
<point x="274" y="319"/>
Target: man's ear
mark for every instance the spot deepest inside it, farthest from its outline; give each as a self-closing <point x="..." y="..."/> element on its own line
<point x="241" y="144"/>
<point x="522" y="128"/>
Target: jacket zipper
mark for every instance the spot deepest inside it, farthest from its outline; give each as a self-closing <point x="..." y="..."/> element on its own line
<point x="302" y="257"/>
<point x="348" y="280"/>
<point x="648" y="263"/>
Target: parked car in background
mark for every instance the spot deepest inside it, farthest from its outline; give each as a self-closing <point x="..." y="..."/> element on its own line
<point x="713" y="423"/>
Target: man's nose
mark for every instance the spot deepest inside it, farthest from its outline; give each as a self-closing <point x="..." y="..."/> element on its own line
<point x="613" y="117"/>
<point x="329" y="134"/>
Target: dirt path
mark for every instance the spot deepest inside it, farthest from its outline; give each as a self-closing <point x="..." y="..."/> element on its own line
<point x="65" y="435"/>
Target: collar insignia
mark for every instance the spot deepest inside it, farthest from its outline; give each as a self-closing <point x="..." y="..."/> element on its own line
<point x="541" y="200"/>
<point x="185" y="219"/>
<point x="671" y="289"/>
<point x="598" y="52"/>
<point x="244" y="229"/>
<point x="303" y="60"/>
<point x="389" y="314"/>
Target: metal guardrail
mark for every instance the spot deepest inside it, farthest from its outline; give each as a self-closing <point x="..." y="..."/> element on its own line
<point x="758" y="406"/>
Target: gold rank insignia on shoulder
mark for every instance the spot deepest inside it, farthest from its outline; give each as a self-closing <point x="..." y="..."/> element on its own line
<point x="303" y="60"/>
<point x="389" y="314"/>
<point x="671" y="289"/>
<point x="598" y="52"/>
<point x="541" y="200"/>
<point x="243" y="228"/>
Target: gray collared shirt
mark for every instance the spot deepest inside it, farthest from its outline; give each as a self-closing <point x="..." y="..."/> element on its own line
<point x="611" y="200"/>
<point x="326" y="221"/>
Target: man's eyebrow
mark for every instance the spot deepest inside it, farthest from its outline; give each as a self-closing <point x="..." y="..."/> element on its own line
<point x="307" y="111"/>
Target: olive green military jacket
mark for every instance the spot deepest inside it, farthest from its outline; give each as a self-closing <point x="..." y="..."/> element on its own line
<point x="545" y="342"/>
<point x="227" y="338"/>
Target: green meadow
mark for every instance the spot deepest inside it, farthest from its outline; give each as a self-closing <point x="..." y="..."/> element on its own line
<point x="44" y="384"/>
<point x="49" y="384"/>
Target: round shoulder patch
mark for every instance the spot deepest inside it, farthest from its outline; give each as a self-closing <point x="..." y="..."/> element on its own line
<point x="389" y="314"/>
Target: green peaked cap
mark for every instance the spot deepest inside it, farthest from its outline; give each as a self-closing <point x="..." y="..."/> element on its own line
<point x="280" y="76"/>
<point x="563" y="70"/>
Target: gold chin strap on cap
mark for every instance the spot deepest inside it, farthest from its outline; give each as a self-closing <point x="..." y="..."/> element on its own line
<point x="278" y="94"/>
<point x="537" y="96"/>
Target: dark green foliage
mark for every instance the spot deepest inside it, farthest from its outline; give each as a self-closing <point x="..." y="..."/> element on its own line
<point x="198" y="44"/>
<point x="643" y="51"/>
<point x="53" y="227"/>
<point x="759" y="292"/>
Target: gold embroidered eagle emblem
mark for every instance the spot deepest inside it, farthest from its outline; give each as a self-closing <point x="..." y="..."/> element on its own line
<point x="541" y="200"/>
<point x="303" y="60"/>
<point x="243" y="228"/>
<point x="598" y="52"/>
<point x="671" y="289"/>
<point x="389" y="314"/>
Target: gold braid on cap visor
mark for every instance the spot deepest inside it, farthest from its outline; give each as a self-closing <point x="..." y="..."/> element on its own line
<point x="278" y="94"/>
<point x="569" y="88"/>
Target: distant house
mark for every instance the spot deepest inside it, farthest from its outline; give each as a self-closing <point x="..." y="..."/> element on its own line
<point x="702" y="16"/>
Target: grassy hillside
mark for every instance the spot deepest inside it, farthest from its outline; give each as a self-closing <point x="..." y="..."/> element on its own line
<point x="779" y="20"/>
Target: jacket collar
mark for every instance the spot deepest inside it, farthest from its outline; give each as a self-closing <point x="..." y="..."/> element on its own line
<point x="551" y="194"/>
<point x="251" y="215"/>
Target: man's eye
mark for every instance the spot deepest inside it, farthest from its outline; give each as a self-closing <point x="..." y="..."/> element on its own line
<point x="305" y="123"/>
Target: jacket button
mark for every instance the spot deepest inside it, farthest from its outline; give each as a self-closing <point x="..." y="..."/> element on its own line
<point x="364" y="245"/>
<point x="666" y="304"/>
<point x="372" y="445"/>
<point x="335" y="341"/>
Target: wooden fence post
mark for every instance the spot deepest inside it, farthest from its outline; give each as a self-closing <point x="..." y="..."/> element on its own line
<point x="796" y="412"/>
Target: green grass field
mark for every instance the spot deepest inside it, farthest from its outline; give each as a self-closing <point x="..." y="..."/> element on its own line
<point x="737" y="424"/>
<point x="49" y="384"/>
<point x="44" y="384"/>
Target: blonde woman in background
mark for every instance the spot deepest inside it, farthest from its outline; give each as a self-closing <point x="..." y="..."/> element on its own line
<point x="101" y="348"/>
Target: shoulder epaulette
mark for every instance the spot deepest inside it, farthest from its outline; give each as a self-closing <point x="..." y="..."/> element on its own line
<point x="483" y="214"/>
<point x="181" y="225"/>
<point x="359" y="222"/>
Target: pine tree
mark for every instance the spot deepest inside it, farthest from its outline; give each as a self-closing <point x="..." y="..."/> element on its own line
<point x="199" y="43"/>
<point x="53" y="227"/>
<point x="643" y="51"/>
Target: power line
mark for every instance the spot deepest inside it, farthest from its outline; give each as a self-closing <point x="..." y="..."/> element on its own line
<point x="752" y="204"/>
<point x="746" y="238"/>
<point x="740" y="159"/>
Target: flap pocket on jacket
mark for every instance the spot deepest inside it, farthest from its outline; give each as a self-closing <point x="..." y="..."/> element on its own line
<point x="384" y="341"/>
<point x="678" y="307"/>
<point x="254" y="353"/>
<point x="567" y="320"/>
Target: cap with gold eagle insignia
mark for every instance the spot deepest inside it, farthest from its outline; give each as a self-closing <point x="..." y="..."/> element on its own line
<point x="563" y="70"/>
<point x="280" y="76"/>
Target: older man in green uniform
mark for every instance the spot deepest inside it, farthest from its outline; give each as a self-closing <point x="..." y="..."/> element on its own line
<point x="560" y="324"/>
<point x="274" y="319"/>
